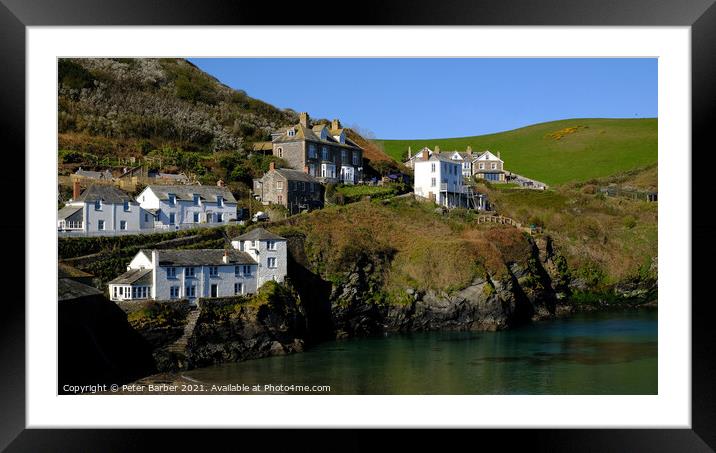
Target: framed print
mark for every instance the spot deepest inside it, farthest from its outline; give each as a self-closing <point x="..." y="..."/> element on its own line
<point x="382" y="223"/>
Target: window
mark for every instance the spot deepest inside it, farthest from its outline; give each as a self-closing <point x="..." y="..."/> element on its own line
<point x="220" y="201"/>
<point x="146" y="217"/>
<point x="191" y="291"/>
<point x="432" y="182"/>
<point x="126" y="205"/>
<point x="171" y="272"/>
<point x="172" y="199"/>
<point x="189" y="272"/>
<point x="122" y="224"/>
<point x="291" y="132"/>
<point x="172" y="218"/>
<point x="196" y="217"/>
<point x="311" y="187"/>
<point x="356" y="159"/>
<point x="272" y="262"/>
<point x="344" y="155"/>
<point x="114" y="292"/>
<point x="237" y="271"/>
<point x="213" y="271"/>
<point x="482" y="166"/>
<point x="196" y="200"/>
<point x="312" y="152"/>
<point x="255" y="244"/>
<point x="238" y="288"/>
<point x="121" y="291"/>
<point x="279" y="185"/>
<point x="100" y="225"/>
<point x="312" y="169"/>
<point x="494" y="166"/>
<point x="271" y="245"/>
<point x="214" y="290"/>
<point x="279" y="199"/>
<point x="173" y="292"/>
<point x="247" y="271"/>
<point x="98" y="205"/>
<point x="432" y="167"/>
<point x="279" y="152"/>
<point x="145" y="292"/>
<point x="325" y="153"/>
<point x="301" y="186"/>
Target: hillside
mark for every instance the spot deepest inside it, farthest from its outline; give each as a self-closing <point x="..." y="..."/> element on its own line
<point x="559" y="151"/>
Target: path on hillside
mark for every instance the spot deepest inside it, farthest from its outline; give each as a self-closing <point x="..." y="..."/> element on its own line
<point x="181" y="344"/>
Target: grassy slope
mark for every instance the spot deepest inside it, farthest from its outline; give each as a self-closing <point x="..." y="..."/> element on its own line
<point x="600" y="148"/>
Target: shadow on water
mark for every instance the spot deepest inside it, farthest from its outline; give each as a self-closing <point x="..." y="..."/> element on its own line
<point x="613" y="353"/>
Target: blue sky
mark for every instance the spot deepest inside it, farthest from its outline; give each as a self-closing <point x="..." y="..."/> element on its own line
<point x="439" y="98"/>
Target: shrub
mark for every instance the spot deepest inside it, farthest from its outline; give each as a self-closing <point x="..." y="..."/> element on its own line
<point x="629" y="222"/>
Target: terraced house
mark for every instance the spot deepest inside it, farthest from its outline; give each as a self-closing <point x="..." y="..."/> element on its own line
<point x="255" y="258"/>
<point x="102" y="208"/>
<point x="323" y="150"/>
<point x="182" y="204"/>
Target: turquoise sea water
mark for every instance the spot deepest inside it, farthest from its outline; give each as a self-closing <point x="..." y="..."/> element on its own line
<point x="593" y="353"/>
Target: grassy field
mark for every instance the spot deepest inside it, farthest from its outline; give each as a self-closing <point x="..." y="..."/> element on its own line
<point x="559" y="151"/>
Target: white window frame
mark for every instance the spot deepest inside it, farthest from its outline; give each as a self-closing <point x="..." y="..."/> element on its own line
<point x="432" y="167"/>
<point x="272" y="259"/>
<point x="213" y="271"/>
<point x="123" y="225"/>
<point x="494" y="166"/>
<point x="279" y="185"/>
<point x="433" y="181"/>
<point x="171" y="272"/>
<point x="238" y="288"/>
<point x="98" y="205"/>
<point x="270" y="245"/>
<point x="172" y="218"/>
<point x="127" y="206"/>
<point x="247" y="270"/>
<point x="100" y="225"/>
<point x="189" y="272"/>
<point x="196" y="217"/>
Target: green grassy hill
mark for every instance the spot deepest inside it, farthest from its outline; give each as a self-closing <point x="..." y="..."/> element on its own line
<point x="558" y="151"/>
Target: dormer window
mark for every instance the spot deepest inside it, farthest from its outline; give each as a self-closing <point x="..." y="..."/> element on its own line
<point x="126" y="205"/>
<point x="291" y="132"/>
<point x="219" y="201"/>
<point x="197" y="200"/>
<point x="325" y="153"/>
<point x="98" y="205"/>
<point x="172" y="199"/>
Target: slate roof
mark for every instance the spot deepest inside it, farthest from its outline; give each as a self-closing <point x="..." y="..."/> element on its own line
<point x="445" y="157"/>
<point x="307" y="133"/>
<point x="134" y="277"/>
<point x="179" y="177"/>
<point x="199" y="257"/>
<point x="108" y="194"/>
<point x="67" y="211"/>
<point x="259" y="234"/>
<point x="94" y="174"/>
<point x="183" y="192"/>
<point x="295" y="175"/>
<point x="68" y="289"/>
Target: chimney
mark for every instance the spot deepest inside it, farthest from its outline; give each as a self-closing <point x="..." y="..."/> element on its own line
<point x="220" y="183"/>
<point x="305" y="169"/>
<point x="426" y="154"/>
<point x="272" y="166"/>
<point x="303" y="119"/>
<point x="498" y="154"/>
<point x="155" y="258"/>
<point x="410" y="153"/>
<point x="468" y="149"/>
<point x="335" y="124"/>
<point x="225" y="258"/>
<point x="437" y="149"/>
<point x="75" y="190"/>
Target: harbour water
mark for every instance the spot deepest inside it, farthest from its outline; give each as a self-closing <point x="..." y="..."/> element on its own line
<point x="589" y="353"/>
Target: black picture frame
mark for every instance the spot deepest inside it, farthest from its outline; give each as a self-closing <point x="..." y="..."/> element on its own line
<point x="700" y="15"/>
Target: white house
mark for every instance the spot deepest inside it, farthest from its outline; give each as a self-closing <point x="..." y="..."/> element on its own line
<point x="182" y="204"/>
<point x="410" y="163"/>
<point x="101" y="208"/>
<point x="439" y="178"/>
<point x="257" y="257"/>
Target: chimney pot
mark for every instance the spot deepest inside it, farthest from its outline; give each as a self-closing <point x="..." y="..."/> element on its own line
<point x="303" y="119"/>
<point x="272" y="166"/>
<point x="75" y="190"/>
<point x="225" y="259"/>
<point x="335" y="124"/>
<point x="410" y="152"/>
<point x="220" y="183"/>
<point x="437" y="149"/>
